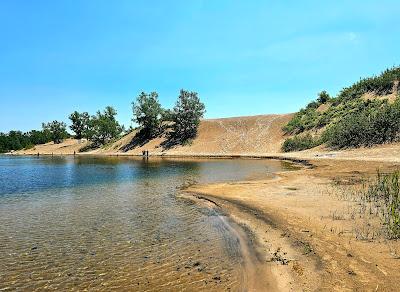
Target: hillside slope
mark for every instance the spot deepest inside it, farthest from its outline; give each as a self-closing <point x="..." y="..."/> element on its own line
<point x="228" y="136"/>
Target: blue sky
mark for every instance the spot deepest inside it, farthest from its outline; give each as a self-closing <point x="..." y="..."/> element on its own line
<point x="242" y="57"/>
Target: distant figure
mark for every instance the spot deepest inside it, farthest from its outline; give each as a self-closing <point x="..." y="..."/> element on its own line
<point x="74" y="153"/>
<point x="38" y="154"/>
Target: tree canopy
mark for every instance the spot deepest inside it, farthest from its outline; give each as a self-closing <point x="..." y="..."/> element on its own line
<point x="80" y="124"/>
<point x="104" y="127"/>
<point x="147" y="112"/>
<point x="186" y="115"/>
<point x="57" y="131"/>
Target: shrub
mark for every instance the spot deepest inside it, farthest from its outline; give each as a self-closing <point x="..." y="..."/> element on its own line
<point x="323" y="97"/>
<point x="298" y="143"/>
<point x="370" y="126"/>
<point x="347" y="101"/>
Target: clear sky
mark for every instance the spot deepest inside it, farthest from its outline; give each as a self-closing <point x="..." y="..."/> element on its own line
<point x="242" y="57"/>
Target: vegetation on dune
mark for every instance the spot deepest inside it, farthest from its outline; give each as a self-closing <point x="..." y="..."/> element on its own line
<point x="179" y="124"/>
<point x="186" y="116"/>
<point x="17" y="140"/>
<point x="80" y="124"/>
<point x="348" y="120"/>
<point x="367" y="127"/>
<point x="300" y="142"/>
<point x="148" y="114"/>
<point x="104" y="127"/>
<point x="99" y="129"/>
<point x="57" y="131"/>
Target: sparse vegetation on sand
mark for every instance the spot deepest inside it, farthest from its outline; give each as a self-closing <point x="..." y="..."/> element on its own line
<point x="361" y="115"/>
<point x="377" y="198"/>
<point x="384" y="192"/>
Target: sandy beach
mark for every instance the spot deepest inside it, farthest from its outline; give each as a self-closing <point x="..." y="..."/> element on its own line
<point x="305" y="230"/>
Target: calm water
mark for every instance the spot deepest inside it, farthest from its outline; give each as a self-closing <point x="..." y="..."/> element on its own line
<point x="116" y="224"/>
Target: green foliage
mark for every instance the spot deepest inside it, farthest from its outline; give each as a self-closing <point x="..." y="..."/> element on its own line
<point x="57" y="131"/>
<point x="39" y="137"/>
<point x="305" y="119"/>
<point x="380" y="85"/>
<point x="300" y="142"/>
<point x="366" y="127"/>
<point x="351" y="121"/>
<point x="103" y="127"/>
<point x="16" y="140"/>
<point x="147" y="112"/>
<point x="186" y="116"/>
<point x="348" y="101"/>
<point x="80" y="124"/>
<point x="323" y="97"/>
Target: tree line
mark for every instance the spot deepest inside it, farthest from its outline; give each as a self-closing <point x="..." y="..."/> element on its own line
<point x="178" y="124"/>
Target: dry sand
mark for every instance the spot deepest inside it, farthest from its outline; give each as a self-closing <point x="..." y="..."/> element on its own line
<point x="301" y="233"/>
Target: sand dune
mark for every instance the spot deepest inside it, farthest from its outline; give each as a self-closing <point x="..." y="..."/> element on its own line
<point x="228" y="136"/>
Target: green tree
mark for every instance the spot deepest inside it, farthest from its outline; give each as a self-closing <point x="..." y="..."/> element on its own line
<point x="147" y="112"/>
<point x="104" y="127"/>
<point x="39" y="137"/>
<point x="186" y="115"/>
<point x="323" y="97"/>
<point x="80" y="124"/>
<point x="57" y="130"/>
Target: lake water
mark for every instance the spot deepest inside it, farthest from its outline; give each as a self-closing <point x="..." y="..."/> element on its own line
<point x="114" y="223"/>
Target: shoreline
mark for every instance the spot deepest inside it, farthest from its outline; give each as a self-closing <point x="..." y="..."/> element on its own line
<point x="302" y="247"/>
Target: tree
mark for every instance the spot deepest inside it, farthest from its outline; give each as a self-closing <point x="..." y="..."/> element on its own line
<point x="104" y="127"/>
<point x="147" y="112"/>
<point x="186" y="115"/>
<point x="57" y="130"/>
<point x="39" y="137"/>
<point x="80" y="124"/>
<point x="323" y="97"/>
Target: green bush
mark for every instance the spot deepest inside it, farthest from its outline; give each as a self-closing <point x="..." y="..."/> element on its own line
<point x="346" y="102"/>
<point x="370" y="126"/>
<point x="298" y="143"/>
